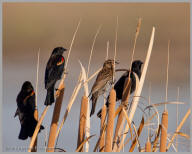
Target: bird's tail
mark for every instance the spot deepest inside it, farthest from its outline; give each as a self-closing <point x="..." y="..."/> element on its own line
<point x="94" y="101"/>
<point x="50" y="96"/>
<point x="23" y="135"/>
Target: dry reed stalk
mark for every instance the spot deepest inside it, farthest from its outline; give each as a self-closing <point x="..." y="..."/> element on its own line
<point x="116" y="32"/>
<point x="177" y="115"/>
<point x="82" y="122"/>
<point x="125" y="97"/>
<point x="98" y="30"/>
<point x="86" y="140"/>
<point x="155" y="142"/>
<point x="148" y="146"/>
<point x="36" y="116"/>
<point x="102" y="140"/>
<point x="178" y="128"/>
<point x="167" y="75"/>
<point x="37" y="129"/>
<point x="34" y="148"/>
<point x="107" y="55"/>
<point x="137" y="136"/>
<point x="72" y="99"/>
<point x="71" y="45"/>
<point x="55" y="119"/>
<point x="110" y="121"/>
<point x="139" y="89"/>
<point x="164" y="124"/>
<point x="97" y="144"/>
<point x="86" y="93"/>
<point x="136" y="36"/>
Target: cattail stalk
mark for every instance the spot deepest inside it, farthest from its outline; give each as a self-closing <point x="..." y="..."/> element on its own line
<point x="164" y="124"/>
<point x="37" y="129"/>
<point x="178" y="128"/>
<point x="125" y="97"/>
<point x="110" y="121"/>
<point x="102" y="140"/>
<point x="139" y="89"/>
<point x="82" y="122"/>
<point x="148" y="146"/>
<point x="55" y="119"/>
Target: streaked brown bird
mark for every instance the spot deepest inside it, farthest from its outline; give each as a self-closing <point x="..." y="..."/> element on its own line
<point x="136" y="68"/>
<point x="103" y="79"/>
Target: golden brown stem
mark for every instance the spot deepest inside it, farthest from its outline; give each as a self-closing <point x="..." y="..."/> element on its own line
<point x="125" y="97"/>
<point x="55" y="119"/>
<point x="37" y="129"/>
<point x="34" y="148"/>
<point x="102" y="140"/>
<point x="82" y="122"/>
<point x="110" y="121"/>
<point x="148" y="146"/>
<point x="164" y="124"/>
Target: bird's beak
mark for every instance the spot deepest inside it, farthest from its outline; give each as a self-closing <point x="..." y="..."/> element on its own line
<point x="65" y="49"/>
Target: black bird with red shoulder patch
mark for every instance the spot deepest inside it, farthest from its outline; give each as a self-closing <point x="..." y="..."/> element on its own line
<point x="53" y="73"/>
<point x="25" y="110"/>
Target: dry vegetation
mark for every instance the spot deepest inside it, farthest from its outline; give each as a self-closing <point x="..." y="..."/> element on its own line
<point x="113" y="136"/>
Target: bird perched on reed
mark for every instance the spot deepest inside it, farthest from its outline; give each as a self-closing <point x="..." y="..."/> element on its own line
<point x="25" y="110"/>
<point x="136" y="68"/>
<point x="103" y="79"/>
<point x="53" y="72"/>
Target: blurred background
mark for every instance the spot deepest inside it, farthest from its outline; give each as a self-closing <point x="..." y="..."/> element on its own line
<point x="30" y="26"/>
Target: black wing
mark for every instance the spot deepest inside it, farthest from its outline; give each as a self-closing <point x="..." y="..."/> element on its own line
<point x="54" y="70"/>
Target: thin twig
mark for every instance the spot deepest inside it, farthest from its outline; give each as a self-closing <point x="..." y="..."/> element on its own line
<point x="167" y="74"/>
<point x="98" y="30"/>
<point x="71" y="48"/>
<point x="116" y="32"/>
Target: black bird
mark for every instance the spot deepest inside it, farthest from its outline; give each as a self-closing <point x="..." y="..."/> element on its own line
<point x="136" y="68"/>
<point x="25" y="111"/>
<point x="103" y="79"/>
<point x="53" y="72"/>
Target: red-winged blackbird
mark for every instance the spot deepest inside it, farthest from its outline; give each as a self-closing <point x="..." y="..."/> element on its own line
<point x="103" y="79"/>
<point x="25" y="111"/>
<point x="53" y="72"/>
<point x="135" y="67"/>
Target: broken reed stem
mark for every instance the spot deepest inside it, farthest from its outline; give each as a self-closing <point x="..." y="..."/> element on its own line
<point x="125" y="97"/>
<point x="95" y="37"/>
<point x="167" y="75"/>
<point x="139" y="89"/>
<point x="164" y="124"/>
<point x="178" y="128"/>
<point x="37" y="129"/>
<point x="148" y="146"/>
<point x="82" y="122"/>
<point x="102" y="140"/>
<point x="110" y="121"/>
<point x="55" y="119"/>
<point x="107" y="55"/>
<point x="116" y="32"/>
